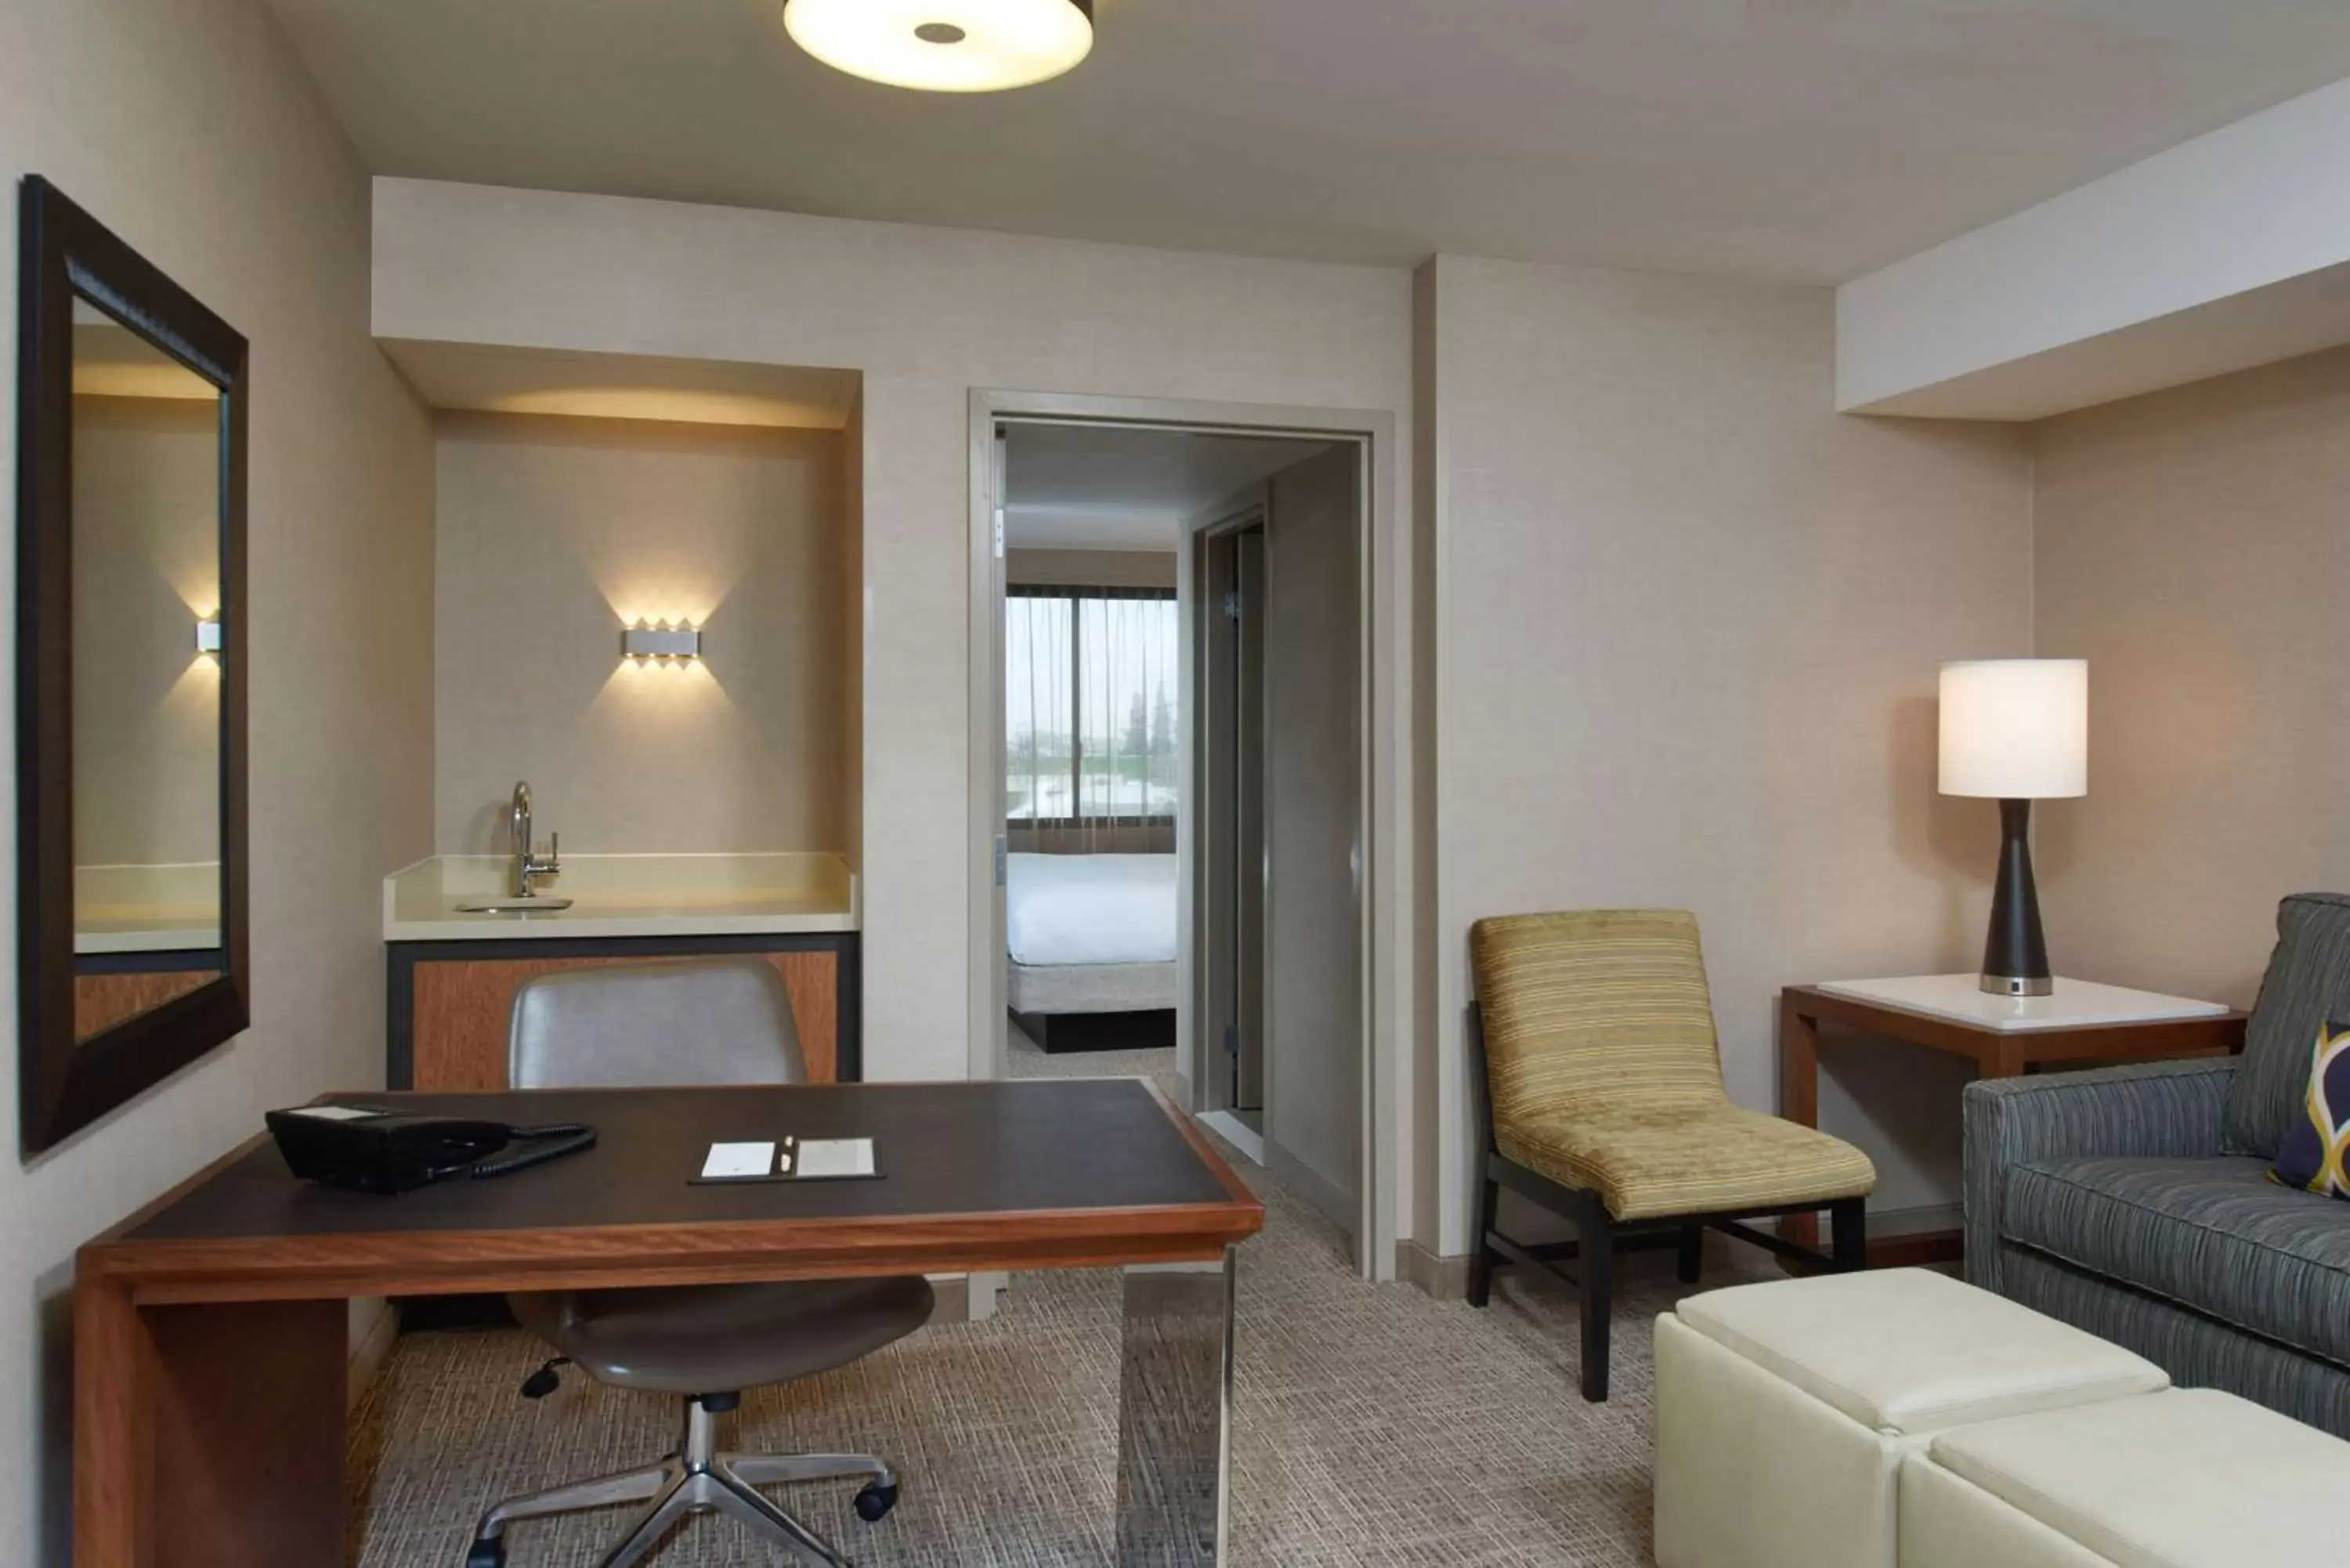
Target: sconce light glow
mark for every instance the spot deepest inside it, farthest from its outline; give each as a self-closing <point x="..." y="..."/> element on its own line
<point x="662" y="641"/>
<point x="945" y="46"/>
<point x="208" y="635"/>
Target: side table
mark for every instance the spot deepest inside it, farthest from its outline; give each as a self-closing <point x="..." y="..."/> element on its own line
<point x="2080" y="1025"/>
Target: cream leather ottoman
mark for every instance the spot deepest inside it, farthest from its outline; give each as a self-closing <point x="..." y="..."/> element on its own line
<point x="1784" y="1409"/>
<point x="2187" y="1479"/>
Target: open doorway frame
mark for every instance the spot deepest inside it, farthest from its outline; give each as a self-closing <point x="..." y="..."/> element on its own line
<point x="1372" y="435"/>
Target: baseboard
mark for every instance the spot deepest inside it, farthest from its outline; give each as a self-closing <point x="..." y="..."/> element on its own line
<point x="986" y="1289"/>
<point x="1912" y="1221"/>
<point x="1446" y="1279"/>
<point x="1334" y="1205"/>
<point x="1236" y="1132"/>
<point x="1441" y="1278"/>
<point x="375" y="1328"/>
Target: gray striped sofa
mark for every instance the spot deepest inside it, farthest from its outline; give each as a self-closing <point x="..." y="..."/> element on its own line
<point x="2133" y="1202"/>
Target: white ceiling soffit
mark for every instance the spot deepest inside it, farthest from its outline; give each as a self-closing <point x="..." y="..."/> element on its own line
<point x="1100" y="487"/>
<point x="1798" y="140"/>
<point x="2230" y="250"/>
<point x="624" y="386"/>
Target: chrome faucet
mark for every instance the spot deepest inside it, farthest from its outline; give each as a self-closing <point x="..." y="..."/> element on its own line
<point x="526" y="862"/>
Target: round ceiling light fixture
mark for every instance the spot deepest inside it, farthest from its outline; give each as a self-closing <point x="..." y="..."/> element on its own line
<point x="945" y="46"/>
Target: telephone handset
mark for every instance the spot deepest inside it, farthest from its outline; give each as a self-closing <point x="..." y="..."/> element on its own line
<point x="370" y="1149"/>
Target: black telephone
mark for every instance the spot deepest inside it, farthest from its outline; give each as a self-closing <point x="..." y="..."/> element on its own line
<point x="369" y="1149"/>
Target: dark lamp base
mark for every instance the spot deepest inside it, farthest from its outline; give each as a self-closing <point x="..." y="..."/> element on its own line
<point x="2015" y="955"/>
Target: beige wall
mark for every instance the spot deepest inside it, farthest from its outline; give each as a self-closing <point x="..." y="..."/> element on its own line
<point x="554" y="532"/>
<point x="927" y="315"/>
<point x="2194" y="546"/>
<point x="1091" y="568"/>
<point x="189" y="128"/>
<point x="849" y="588"/>
<point x="1689" y="622"/>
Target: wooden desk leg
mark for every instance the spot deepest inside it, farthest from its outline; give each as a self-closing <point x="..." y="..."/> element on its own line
<point x="1175" y="1416"/>
<point x="1799" y="1097"/>
<point x="207" y="1436"/>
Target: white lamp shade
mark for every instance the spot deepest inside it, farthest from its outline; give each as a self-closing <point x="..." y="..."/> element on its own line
<point x="944" y="46"/>
<point x="2016" y="729"/>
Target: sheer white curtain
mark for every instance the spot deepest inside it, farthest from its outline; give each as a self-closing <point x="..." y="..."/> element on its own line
<point x="1039" y="709"/>
<point x="1090" y="707"/>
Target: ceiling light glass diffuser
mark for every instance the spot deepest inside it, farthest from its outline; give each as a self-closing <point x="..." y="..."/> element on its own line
<point x="945" y="46"/>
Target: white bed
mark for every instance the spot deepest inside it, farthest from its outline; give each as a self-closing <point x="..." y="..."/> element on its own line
<point x="1090" y="934"/>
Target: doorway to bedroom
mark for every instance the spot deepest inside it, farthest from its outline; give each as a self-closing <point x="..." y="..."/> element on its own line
<point x="1177" y="615"/>
<point x="1094" y="702"/>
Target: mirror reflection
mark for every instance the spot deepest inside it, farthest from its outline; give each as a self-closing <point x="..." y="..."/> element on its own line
<point x="146" y="745"/>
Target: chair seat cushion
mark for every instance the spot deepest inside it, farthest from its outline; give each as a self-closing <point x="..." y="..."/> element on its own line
<point x="721" y="1339"/>
<point x="2215" y="1235"/>
<point x="2184" y="1478"/>
<point x="1652" y="1161"/>
<point x="1904" y="1351"/>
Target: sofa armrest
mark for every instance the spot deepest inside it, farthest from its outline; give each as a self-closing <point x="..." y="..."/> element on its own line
<point x="2165" y="1110"/>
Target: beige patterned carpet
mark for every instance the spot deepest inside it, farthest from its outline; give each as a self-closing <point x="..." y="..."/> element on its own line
<point x="1375" y="1425"/>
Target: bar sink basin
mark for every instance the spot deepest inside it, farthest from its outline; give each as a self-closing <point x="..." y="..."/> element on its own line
<point x="533" y="904"/>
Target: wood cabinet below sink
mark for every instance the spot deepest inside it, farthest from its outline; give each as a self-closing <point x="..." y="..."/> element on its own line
<point x="451" y="1002"/>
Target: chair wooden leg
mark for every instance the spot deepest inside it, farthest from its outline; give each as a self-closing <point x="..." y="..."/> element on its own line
<point x="1692" y="1254"/>
<point x="1849" y="1216"/>
<point x="1481" y="1256"/>
<point x="1596" y="1274"/>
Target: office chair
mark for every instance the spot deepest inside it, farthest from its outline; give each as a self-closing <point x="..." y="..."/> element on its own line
<point x="719" y="1022"/>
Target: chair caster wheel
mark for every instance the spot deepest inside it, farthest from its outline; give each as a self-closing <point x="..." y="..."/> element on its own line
<point x="486" y="1553"/>
<point x="873" y="1504"/>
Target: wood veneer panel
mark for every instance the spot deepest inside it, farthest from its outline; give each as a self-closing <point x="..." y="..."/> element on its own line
<point x="103" y="1001"/>
<point x="207" y="1436"/>
<point x="462" y="1009"/>
<point x="247" y="1402"/>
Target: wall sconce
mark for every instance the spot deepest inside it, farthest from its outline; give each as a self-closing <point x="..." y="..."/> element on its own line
<point x="662" y="641"/>
<point x="208" y="635"/>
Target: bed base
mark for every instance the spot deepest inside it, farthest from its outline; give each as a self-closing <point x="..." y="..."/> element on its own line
<point x="1057" y="1033"/>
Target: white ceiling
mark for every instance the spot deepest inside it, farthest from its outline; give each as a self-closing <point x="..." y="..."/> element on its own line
<point x="1798" y="139"/>
<point x="1091" y="487"/>
<point x="624" y="386"/>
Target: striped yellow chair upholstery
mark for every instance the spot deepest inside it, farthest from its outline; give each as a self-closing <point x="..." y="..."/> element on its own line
<point x="1605" y="1103"/>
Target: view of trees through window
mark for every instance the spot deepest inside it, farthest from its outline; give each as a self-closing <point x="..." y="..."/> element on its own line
<point x="1091" y="680"/>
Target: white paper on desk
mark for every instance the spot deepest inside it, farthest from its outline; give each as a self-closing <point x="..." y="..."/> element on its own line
<point x="739" y="1160"/>
<point x="836" y="1157"/>
<point x="337" y="1113"/>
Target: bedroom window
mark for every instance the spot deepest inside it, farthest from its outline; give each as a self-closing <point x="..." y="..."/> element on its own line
<point x="1089" y="704"/>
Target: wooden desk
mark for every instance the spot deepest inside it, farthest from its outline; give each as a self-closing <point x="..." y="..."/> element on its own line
<point x="1997" y="1052"/>
<point x="209" y="1328"/>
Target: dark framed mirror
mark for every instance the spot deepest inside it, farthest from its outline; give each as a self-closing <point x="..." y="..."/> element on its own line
<point x="134" y="954"/>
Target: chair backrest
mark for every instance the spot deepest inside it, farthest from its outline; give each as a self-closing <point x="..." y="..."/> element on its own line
<point x="1593" y="1007"/>
<point x="716" y="1021"/>
<point x="2307" y="986"/>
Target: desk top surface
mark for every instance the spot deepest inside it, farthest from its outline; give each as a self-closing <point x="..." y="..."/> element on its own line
<point x="964" y="1150"/>
<point x="2073" y="1004"/>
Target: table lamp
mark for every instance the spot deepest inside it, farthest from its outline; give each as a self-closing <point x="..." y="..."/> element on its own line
<point x="2015" y="731"/>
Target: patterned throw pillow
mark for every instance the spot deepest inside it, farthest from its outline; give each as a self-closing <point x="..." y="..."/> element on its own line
<point x="2316" y="1152"/>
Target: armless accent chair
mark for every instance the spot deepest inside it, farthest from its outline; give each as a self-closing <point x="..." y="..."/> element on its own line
<point x="721" y="1022"/>
<point x="1605" y="1105"/>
